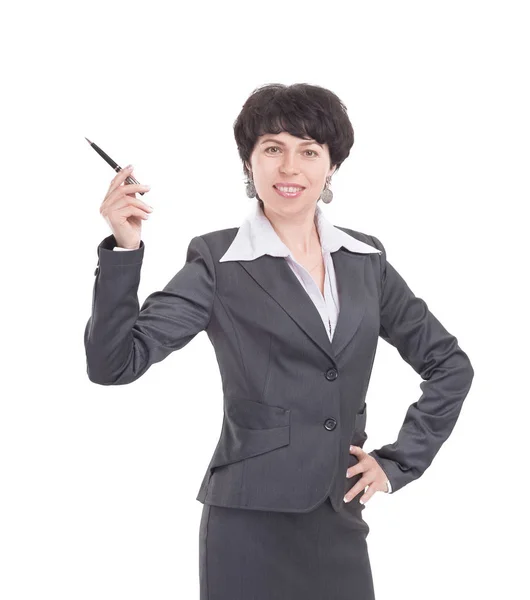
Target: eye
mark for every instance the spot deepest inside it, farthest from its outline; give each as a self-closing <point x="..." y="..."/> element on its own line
<point x="277" y="147"/>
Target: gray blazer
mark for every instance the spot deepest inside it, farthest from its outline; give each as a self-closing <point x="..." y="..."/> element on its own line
<point x="293" y="400"/>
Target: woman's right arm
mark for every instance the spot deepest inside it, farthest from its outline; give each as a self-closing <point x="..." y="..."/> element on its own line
<point x="123" y="341"/>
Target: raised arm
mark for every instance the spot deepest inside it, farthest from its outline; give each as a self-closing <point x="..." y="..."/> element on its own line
<point x="121" y="341"/>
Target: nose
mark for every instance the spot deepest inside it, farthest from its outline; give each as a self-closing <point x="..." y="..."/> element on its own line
<point x="289" y="164"/>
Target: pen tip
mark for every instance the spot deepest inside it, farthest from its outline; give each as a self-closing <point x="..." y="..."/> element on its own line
<point x="88" y="140"/>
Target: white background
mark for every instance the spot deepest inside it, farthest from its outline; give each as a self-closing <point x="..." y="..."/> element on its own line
<point x="98" y="484"/>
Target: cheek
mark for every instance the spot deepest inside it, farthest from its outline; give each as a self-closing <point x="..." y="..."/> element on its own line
<point x="265" y="177"/>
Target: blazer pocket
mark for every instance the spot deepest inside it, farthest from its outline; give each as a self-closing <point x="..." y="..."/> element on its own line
<point x="359" y="433"/>
<point x="250" y="428"/>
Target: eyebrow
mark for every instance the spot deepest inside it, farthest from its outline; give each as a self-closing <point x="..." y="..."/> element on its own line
<point x="283" y="144"/>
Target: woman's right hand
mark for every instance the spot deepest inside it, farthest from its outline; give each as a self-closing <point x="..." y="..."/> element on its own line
<point x="123" y="211"/>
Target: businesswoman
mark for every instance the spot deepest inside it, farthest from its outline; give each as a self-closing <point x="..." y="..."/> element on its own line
<point x="293" y="307"/>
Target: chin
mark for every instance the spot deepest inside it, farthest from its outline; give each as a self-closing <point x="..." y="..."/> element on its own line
<point x="289" y="206"/>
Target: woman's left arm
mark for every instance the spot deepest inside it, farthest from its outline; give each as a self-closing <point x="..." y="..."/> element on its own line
<point x="423" y="342"/>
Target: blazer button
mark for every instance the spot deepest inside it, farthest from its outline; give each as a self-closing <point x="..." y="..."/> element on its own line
<point x="330" y="424"/>
<point x="331" y="374"/>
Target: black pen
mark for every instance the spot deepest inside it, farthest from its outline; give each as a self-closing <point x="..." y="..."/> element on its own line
<point x="114" y="165"/>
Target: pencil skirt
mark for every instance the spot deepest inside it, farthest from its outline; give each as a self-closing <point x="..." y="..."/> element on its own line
<point x="265" y="555"/>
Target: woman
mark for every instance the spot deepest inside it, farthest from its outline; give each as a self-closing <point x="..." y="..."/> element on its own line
<point x="293" y="307"/>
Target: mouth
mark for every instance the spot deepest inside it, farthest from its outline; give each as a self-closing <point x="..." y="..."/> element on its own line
<point x="289" y="194"/>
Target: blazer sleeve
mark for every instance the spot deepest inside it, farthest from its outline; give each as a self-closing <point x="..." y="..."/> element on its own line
<point x="423" y="342"/>
<point x="121" y="341"/>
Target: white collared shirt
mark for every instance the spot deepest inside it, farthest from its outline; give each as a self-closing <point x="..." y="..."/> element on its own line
<point x="257" y="237"/>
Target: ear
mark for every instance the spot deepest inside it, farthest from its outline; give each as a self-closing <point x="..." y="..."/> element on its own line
<point x="331" y="171"/>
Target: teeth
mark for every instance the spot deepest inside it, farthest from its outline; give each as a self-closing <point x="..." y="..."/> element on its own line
<point x="289" y="190"/>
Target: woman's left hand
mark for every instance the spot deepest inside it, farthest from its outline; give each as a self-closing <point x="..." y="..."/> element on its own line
<point x="374" y="476"/>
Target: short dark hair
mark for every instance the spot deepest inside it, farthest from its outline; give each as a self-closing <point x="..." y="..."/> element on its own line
<point x="303" y="110"/>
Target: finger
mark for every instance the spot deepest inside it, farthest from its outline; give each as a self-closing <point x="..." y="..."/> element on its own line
<point x="133" y="188"/>
<point x="124" y="192"/>
<point x="372" y="489"/>
<point x="132" y="211"/>
<point x="124" y="203"/>
<point x="356" y="489"/>
<point x="120" y="177"/>
<point x="356" y="450"/>
<point x="118" y="200"/>
<point x="355" y="470"/>
<point x="133" y="202"/>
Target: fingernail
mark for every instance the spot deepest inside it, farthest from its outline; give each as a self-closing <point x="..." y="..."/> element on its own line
<point x="361" y="501"/>
<point x="346" y="499"/>
<point x="351" y="447"/>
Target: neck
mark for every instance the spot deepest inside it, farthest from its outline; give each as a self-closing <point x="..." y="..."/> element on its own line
<point x="298" y="232"/>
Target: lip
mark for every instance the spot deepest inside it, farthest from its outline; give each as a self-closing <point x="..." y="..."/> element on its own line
<point x="289" y="185"/>
<point x="287" y="194"/>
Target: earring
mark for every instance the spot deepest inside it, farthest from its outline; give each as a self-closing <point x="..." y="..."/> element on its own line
<point x="327" y="194"/>
<point x="251" y="189"/>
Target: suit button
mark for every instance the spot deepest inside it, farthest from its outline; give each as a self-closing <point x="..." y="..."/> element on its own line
<point x="330" y="424"/>
<point x="331" y="374"/>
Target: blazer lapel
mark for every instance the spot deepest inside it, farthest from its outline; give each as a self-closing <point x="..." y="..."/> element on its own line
<point x="277" y="279"/>
<point x="349" y="271"/>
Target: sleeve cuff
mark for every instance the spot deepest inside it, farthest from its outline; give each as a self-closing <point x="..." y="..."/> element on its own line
<point x="107" y="256"/>
<point x="380" y="461"/>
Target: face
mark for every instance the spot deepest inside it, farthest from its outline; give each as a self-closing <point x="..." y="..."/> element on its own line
<point x="284" y="158"/>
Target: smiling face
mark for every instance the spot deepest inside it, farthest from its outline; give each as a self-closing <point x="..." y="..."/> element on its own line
<point x="284" y="158"/>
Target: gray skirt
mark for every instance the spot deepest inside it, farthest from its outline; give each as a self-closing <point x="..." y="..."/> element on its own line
<point x="266" y="555"/>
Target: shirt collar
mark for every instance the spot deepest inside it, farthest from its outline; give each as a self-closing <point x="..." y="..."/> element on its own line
<point x="256" y="237"/>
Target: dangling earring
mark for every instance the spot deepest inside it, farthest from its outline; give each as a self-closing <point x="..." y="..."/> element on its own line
<point x="327" y="194"/>
<point x="251" y="189"/>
